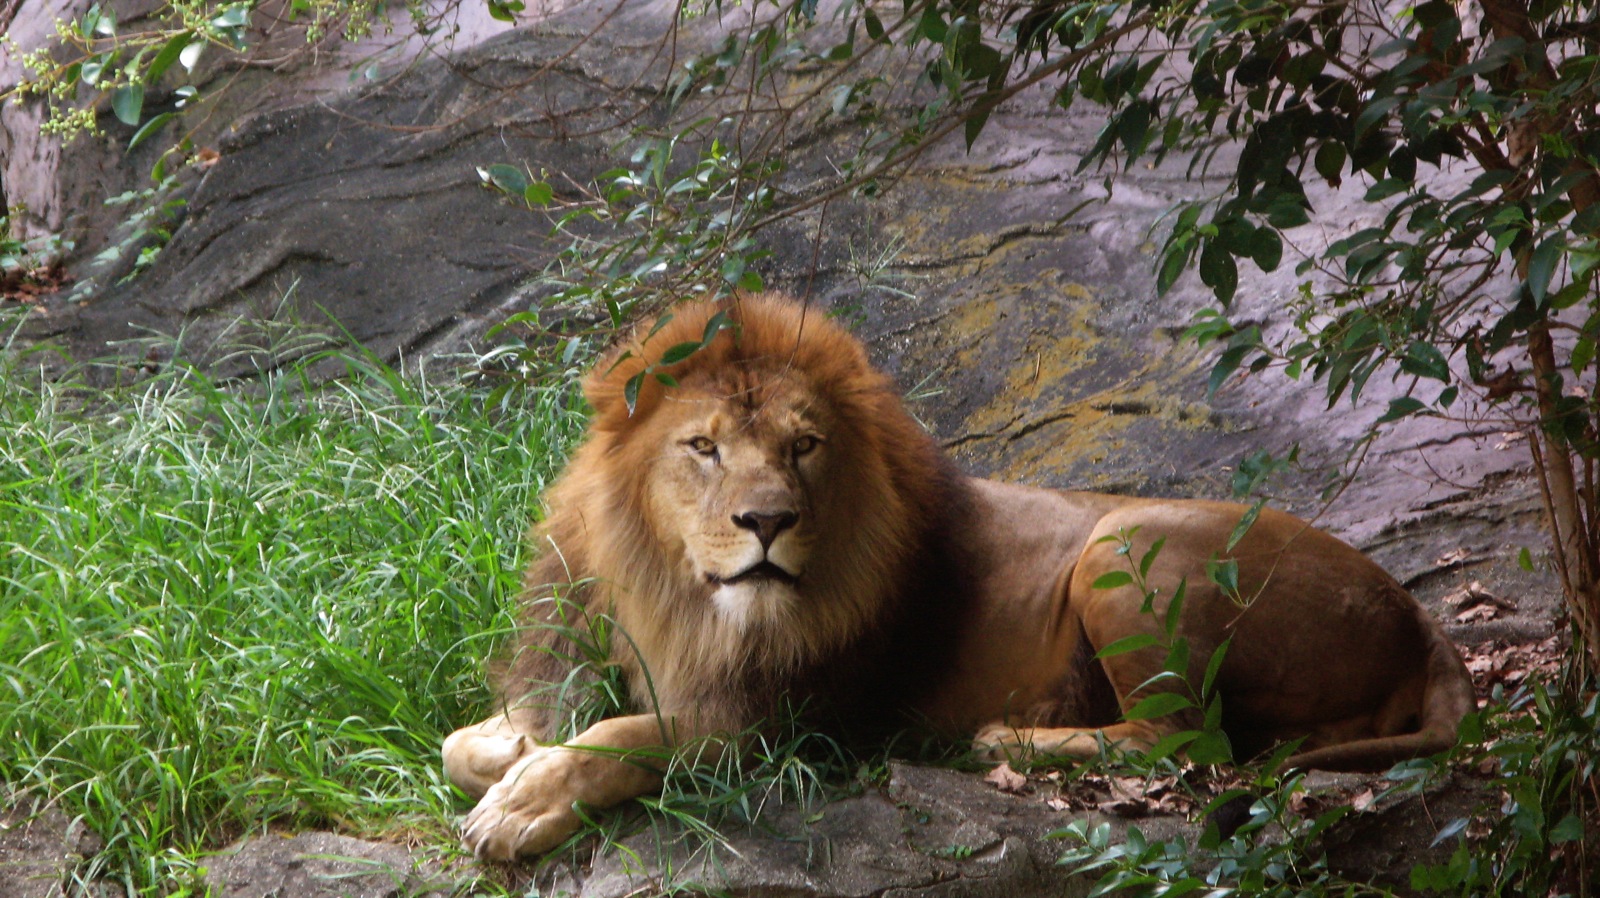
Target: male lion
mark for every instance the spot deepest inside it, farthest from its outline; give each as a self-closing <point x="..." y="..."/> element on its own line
<point x="775" y="527"/>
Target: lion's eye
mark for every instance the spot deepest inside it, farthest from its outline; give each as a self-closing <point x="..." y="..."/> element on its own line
<point x="805" y="444"/>
<point x="702" y="445"/>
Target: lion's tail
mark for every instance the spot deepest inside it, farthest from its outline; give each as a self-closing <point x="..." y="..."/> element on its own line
<point x="1446" y="698"/>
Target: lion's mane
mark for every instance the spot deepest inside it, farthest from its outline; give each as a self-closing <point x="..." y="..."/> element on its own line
<point x="884" y="527"/>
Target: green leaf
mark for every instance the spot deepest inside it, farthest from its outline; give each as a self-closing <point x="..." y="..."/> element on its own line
<point x="1218" y="271"/>
<point x="874" y="24"/>
<point x="1150" y="556"/>
<point x="1246" y="521"/>
<point x="751" y="282"/>
<point x="1174" y="611"/>
<point x="1133" y="127"/>
<point x="1128" y="644"/>
<point x="1177" y="660"/>
<point x="1402" y="407"/>
<point x="1386" y="188"/>
<point x="1112" y="580"/>
<point x="1570" y="295"/>
<point x="1542" y="266"/>
<point x="1453" y="828"/>
<point x="1159" y="705"/>
<point x="1173" y="263"/>
<point x="976" y="119"/>
<point x="714" y="326"/>
<point x="1213" y="668"/>
<point x="1330" y="162"/>
<point x="678" y="353"/>
<point x="1570" y="829"/>
<point x="150" y="127"/>
<point x="1425" y="360"/>
<point x="1224" y="573"/>
<point x="1266" y="248"/>
<point x="630" y="391"/>
<point x="1525" y="560"/>
<point x="661" y="322"/>
<point x="1227" y="363"/>
<point x="91" y="69"/>
<point x="127" y="102"/>
<point x="538" y="193"/>
<point x="236" y="16"/>
<point x="105" y="23"/>
<point x="168" y="55"/>
<point x="1288" y="212"/>
<point x="508" y="178"/>
<point x="505" y="10"/>
<point x="1374" y="112"/>
<point x="1211" y="747"/>
<point x="1169" y="745"/>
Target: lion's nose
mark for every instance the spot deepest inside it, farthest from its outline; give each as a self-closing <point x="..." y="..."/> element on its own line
<point x="766" y="525"/>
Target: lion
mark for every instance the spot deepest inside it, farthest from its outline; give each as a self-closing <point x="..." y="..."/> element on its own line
<point x="766" y="523"/>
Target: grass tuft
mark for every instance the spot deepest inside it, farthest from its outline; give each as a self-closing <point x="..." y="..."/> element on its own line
<point x="223" y="609"/>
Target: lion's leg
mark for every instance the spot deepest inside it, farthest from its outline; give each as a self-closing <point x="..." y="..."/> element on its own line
<point x="478" y="756"/>
<point x="535" y="805"/>
<point x="1003" y="742"/>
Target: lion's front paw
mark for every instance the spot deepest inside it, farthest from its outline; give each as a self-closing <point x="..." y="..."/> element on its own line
<point x="528" y="812"/>
<point x="1000" y="742"/>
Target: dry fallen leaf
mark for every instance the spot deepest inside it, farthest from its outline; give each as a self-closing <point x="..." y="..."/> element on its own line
<point x="1475" y="603"/>
<point x="1007" y="780"/>
<point x="1362" y="801"/>
<point x="1127" y="785"/>
<point x="1454" y="556"/>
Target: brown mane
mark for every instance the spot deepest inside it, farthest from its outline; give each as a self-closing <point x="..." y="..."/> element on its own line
<point x="596" y="536"/>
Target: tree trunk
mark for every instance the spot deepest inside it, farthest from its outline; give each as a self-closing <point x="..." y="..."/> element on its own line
<point x="1569" y="509"/>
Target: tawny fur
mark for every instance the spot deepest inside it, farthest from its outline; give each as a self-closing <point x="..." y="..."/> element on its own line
<point x="895" y="590"/>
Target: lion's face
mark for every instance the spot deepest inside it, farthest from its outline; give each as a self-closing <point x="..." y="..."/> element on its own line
<point x="756" y="505"/>
<point x="735" y="484"/>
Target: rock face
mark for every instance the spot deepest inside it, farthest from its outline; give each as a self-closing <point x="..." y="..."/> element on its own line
<point x="42" y="852"/>
<point x="1026" y="329"/>
<point x="1026" y="319"/>
<point x="322" y="865"/>
<point x="930" y="833"/>
<point x="55" y="189"/>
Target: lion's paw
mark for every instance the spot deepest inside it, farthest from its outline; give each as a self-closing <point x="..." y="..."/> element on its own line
<point x="999" y="742"/>
<point x="530" y="810"/>
<point x="475" y="758"/>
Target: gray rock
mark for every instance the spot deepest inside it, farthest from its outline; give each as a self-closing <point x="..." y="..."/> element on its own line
<point x="1032" y="334"/>
<point x="43" y="852"/>
<point x="57" y="189"/>
<point x="931" y="832"/>
<point x="323" y="865"/>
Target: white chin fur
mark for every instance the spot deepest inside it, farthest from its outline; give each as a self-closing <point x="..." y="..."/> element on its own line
<point x="742" y="604"/>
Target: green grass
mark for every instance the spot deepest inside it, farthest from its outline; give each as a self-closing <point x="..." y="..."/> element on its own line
<point x="228" y="609"/>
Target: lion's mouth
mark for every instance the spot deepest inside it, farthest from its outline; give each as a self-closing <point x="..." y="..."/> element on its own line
<point x="762" y="571"/>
